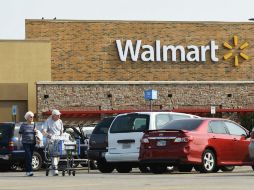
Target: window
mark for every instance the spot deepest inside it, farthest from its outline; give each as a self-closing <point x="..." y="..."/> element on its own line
<point x="217" y="127"/>
<point x="103" y="126"/>
<point x="163" y="119"/>
<point x="178" y="116"/>
<point x="186" y="124"/>
<point x="6" y="132"/>
<point x="235" y="129"/>
<point x="130" y="123"/>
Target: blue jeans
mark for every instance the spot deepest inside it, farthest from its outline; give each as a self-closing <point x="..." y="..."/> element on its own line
<point x="29" y="149"/>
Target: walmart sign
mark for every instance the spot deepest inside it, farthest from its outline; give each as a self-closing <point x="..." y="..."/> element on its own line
<point x="145" y="52"/>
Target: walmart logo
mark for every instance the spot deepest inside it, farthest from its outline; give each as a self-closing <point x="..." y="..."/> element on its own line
<point x="236" y="50"/>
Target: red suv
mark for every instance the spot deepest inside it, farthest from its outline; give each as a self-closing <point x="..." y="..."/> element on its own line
<point x="208" y="144"/>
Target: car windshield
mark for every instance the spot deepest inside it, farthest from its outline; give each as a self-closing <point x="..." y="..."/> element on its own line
<point x="185" y="124"/>
<point x="103" y="126"/>
<point x="130" y="123"/>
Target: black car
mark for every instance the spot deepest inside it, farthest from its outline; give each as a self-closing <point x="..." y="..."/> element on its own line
<point x="98" y="145"/>
<point x="12" y="154"/>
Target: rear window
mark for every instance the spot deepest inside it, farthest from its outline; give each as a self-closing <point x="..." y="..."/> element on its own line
<point x="6" y="131"/>
<point x="187" y="124"/>
<point x="130" y="123"/>
<point x="103" y="126"/>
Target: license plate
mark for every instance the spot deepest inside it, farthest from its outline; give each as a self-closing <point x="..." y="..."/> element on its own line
<point x="161" y="143"/>
<point x="126" y="145"/>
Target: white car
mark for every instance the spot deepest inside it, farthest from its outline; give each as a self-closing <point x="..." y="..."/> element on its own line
<point x="126" y="132"/>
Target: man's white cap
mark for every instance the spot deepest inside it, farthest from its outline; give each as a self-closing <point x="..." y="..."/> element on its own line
<point x="56" y="112"/>
<point x="29" y="113"/>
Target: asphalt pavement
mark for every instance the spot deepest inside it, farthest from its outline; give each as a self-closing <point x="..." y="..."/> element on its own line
<point x="240" y="179"/>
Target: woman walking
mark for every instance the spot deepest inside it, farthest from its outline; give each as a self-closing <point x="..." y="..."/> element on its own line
<point x="27" y="133"/>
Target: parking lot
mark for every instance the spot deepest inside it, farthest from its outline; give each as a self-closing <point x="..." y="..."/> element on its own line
<point x="241" y="178"/>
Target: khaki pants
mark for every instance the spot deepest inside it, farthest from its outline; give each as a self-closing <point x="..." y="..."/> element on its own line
<point x="54" y="165"/>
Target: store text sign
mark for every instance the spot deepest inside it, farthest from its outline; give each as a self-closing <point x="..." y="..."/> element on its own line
<point x="166" y="53"/>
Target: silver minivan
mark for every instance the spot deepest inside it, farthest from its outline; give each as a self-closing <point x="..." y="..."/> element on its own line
<point x="126" y="132"/>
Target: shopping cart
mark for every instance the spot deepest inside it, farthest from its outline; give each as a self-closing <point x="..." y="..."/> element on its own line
<point x="64" y="149"/>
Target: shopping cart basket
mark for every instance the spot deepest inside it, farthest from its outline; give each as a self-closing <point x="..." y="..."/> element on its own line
<point x="63" y="149"/>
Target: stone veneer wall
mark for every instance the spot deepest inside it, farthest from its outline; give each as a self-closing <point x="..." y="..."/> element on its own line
<point x="76" y="95"/>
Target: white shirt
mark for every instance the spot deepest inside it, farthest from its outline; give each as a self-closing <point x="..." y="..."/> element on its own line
<point x="53" y="127"/>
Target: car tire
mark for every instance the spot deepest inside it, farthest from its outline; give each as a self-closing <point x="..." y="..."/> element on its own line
<point x="144" y="169"/>
<point x="252" y="168"/>
<point x="36" y="161"/>
<point x="170" y="169"/>
<point x="227" y="168"/>
<point x="93" y="164"/>
<point x="158" y="168"/>
<point x="123" y="169"/>
<point x="185" y="168"/>
<point x="105" y="167"/>
<point x="209" y="164"/>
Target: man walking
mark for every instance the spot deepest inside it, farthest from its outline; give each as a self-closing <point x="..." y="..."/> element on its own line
<point x="53" y="127"/>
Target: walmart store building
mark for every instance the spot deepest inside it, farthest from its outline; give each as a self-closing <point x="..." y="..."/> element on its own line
<point x="89" y="68"/>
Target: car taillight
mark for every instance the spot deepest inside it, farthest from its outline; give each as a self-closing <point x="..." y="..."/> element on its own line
<point x="11" y="146"/>
<point x="183" y="139"/>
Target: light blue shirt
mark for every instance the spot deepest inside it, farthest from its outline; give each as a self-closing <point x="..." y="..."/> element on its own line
<point x="53" y="127"/>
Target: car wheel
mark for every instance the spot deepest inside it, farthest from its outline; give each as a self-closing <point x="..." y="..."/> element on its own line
<point x="227" y="168"/>
<point x="16" y="166"/>
<point x="36" y="161"/>
<point x="252" y="168"/>
<point x="144" y="169"/>
<point x="185" y="168"/>
<point x="158" y="168"/>
<point x="93" y="164"/>
<point x="170" y="168"/>
<point x="208" y="162"/>
<point x="123" y="169"/>
<point x="105" y="167"/>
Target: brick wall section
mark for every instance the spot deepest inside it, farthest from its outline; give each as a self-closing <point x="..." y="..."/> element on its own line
<point x="82" y="95"/>
<point x="86" y="50"/>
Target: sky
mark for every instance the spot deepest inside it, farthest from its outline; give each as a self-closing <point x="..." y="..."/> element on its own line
<point x="14" y="12"/>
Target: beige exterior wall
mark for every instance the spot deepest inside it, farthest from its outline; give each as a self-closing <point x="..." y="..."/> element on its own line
<point x="25" y="62"/>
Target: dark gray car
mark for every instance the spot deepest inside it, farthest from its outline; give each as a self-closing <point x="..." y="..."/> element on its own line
<point x="12" y="154"/>
<point x="98" y="143"/>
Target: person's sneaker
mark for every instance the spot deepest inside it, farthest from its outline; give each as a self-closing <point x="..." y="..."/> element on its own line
<point x="55" y="175"/>
<point x="31" y="174"/>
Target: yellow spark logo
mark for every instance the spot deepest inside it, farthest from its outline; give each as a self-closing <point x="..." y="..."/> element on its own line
<point x="236" y="47"/>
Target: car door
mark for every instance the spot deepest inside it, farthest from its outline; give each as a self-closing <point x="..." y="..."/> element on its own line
<point x="240" y="142"/>
<point x="125" y="134"/>
<point x="221" y="141"/>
